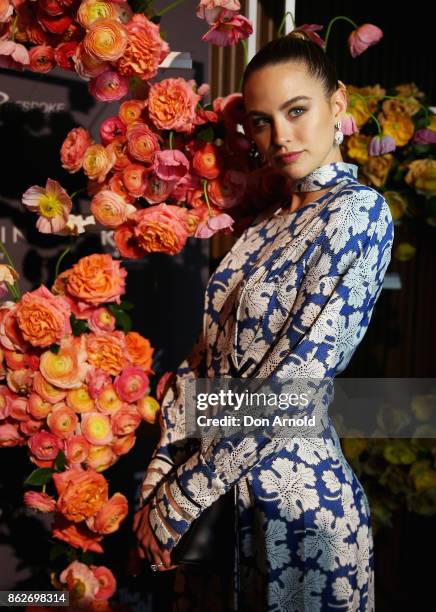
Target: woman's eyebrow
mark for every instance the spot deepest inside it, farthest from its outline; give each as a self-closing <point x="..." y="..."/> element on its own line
<point x="284" y="105"/>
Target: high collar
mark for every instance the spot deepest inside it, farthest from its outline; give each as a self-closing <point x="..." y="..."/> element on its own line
<point x="326" y="176"/>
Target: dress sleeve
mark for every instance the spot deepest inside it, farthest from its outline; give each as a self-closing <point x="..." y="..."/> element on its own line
<point x="336" y="294"/>
<point x="173" y="447"/>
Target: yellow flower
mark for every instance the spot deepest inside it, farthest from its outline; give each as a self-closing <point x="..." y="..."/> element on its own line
<point x="361" y="109"/>
<point x="399" y="126"/>
<point x="357" y="146"/>
<point x="397" y="204"/>
<point x="405" y="106"/>
<point x="404" y="251"/>
<point x="422" y="176"/>
<point x="377" y="169"/>
<point x="409" y="89"/>
<point x="432" y="124"/>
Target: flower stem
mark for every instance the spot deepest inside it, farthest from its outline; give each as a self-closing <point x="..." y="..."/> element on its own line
<point x="245" y="47"/>
<point x="171" y="139"/>
<point x="329" y="27"/>
<point x="14" y="28"/>
<point x="4" y="250"/>
<point x="73" y="195"/>
<point x="60" y="259"/>
<point x="168" y="8"/>
<point x="367" y="108"/>
<point x="282" y="23"/>
<point x="206" y="196"/>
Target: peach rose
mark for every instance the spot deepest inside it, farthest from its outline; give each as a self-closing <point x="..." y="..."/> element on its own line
<point x="43" y="318"/>
<point x="11" y="337"/>
<point x="119" y="148"/>
<point x="161" y="228"/>
<point x="171" y="105"/>
<point x="76" y="449"/>
<point x="106" y="40"/>
<point x="96" y="279"/>
<point x="39" y="501"/>
<point x="144" y="51"/>
<point x="116" y="185"/>
<point x="6" y="10"/>
<point x="142" y="142"/>
<point x="80" y="400"/>
<point x="110" y="209"/>
<point x="110" y="516"/>
<point x="62" y="421"/>
<point x="68" y="367"/>
<point x="78" y="536"/>
<point x="45" y="445"/>
<point x="97" y="162"/>
<point x="107" y="352"/>
<point x="139" y="350"/>
<point x="96" y="427"/>
<point x="85" y="493"/>
<point x="15" y="360"/>
<point x="74" y="148"/>
<point x="131" y="384"/>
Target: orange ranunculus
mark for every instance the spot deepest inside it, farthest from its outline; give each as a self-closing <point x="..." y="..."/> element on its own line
<point x="101" y="457"/>
<point x="10" y="436"/>
<point x="97" y="162"/>
<point x="85" y="493"/>
<point x="144" y="51"/>
<point x="142" y="142"/>
<point x="140" y="350"/>
<point x="80" y="400"/>
<point x="399" y="126"/>
<point x="76" y="449"/>
<point x="118" y="147"/>
<point x="171" y="105"/>
<point x="116" y="184"/>
<point x="96" y="279"/>
<point x="108" y="400"/>
<point x="62" y="421"/>
<point x="74" y="148"/>
<point x="125" y="421"/>
<point x="108" y="518"/>
<point x="135" y="179"/>
<point x="121" y="445"/>
<point x="78" y="536"/>
<point x="91" y="10"/>
<point x="148" y="407"/>
<point x="161" y="228"/>
<point x="67" y="368"/>
<point x="43" y="318"/>
<point x="106" y="40"/>
<point x="47" y="391"/>
<point x="208" y="161"/>
<point x="38" y="407"/>
<point x="107" y="352"/>
<point x="110" y="209"/>
<point x="131" y="111"/>
<point x="96" y="427"/>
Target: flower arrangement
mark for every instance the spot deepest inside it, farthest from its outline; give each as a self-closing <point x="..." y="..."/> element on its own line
<point x="392" y="137"/>
<point x="74" y="387"/>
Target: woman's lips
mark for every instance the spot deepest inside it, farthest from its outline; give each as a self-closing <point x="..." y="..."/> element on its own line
<point x="289" y="157"/>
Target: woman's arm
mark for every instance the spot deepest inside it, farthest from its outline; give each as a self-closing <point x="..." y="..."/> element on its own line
<point x="326" y="323"/>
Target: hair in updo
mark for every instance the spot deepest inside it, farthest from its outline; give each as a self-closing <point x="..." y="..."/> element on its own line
<point x="296" y="47"/>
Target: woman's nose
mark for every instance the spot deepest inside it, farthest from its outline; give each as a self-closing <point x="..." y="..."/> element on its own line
<point x="280" y="136"/>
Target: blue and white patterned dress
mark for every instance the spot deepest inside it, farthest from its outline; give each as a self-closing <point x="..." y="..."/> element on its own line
<point x="292" y="299"/>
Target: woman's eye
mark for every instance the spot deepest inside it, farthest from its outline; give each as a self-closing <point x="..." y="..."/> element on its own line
<point x="258" y="122"/>
<point x="297" y="112"/>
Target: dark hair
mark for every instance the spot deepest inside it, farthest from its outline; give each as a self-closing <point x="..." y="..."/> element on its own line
<point x="296" y="47"/>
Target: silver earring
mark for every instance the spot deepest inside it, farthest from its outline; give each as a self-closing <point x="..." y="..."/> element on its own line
<point x="339" y="135"/>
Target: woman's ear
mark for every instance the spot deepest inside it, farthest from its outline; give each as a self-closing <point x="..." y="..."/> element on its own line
<point x="339" y="101"/>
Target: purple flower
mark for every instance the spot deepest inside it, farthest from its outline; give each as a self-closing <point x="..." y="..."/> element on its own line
<point x="424" y="137"/>
<point x="380" y="145"/>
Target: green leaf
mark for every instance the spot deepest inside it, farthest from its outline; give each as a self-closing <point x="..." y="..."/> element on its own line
<point x="78" y="326"/>
<point x="60" y="461"/>
<point x="39" y="477"/>
<point x="122" y="319"/>
<point x="54" y="348"/>
<point x="126" y="305"/>
<point x="206" y="135"/>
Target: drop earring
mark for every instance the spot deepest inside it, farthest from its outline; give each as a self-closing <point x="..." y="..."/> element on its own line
<point x="339" y="135"/>
<point x="254" y="152"/>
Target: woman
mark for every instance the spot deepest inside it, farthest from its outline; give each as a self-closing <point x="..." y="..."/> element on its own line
<point x="292" y="299"/>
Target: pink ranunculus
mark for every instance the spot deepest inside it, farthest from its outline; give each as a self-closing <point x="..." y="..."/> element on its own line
<point x="9" y="435"/>
<point x="62" y="421"/>
<point x="188" y="183"/>
<point x="349" y="125"/>
<point x="424" y="136"/>
<point x="52" y="203"/>
<point x="121" y="445"/>
<point x="74" y="148"/>
<point x="30" y="427"/>
<point x="125" y="421"/>
<point x="64" y="55"/>
<point x="134" y="177"/>
<point x="97" y="380"/>
<point x="110" y="209"/>
<point x="208" y="228"/>
<point x="210" y="9"/>
<point x="19" y="408"/>
<point x="107" y="582"/>
<point x="228" y="29"/>
<point x="5" y="402"/>
<point x="156" y="189"/>
<point x="380" y="145"/>
<point x="363" y="37"/>
<point x="108" y="86"/>
<point x="38" y="407"/>
<point x="170" y="164"/>
<point x="67" y="368"/>
<point x="228" y="190"/>
<point x="108" y="518"/>
<point x="11" y="337"/>
<point x="13" y="55"/>
<point x="142" y="142"/>
<point x="45" y="445"/>
<point x="39" y="501"/>
<point x="42" y="58"/>
<point x="131" y="384"/>
<point x="76" y="449"/>
<point x="101" y="321"/>
<point x="80" y="578"/>
<point x="110" y="129"/>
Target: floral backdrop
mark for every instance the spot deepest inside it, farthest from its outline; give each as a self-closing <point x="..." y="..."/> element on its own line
<point x="75" y="380"/>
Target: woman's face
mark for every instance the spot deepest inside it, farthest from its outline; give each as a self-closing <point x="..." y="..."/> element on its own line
<point x="288" y="112"/>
